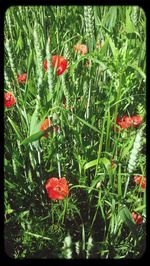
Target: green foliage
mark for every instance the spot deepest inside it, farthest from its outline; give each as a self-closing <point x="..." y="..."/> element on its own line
<point x="98" y="159"/>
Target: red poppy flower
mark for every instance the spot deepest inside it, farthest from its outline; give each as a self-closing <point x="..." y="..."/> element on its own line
<point x="57" y="188"/>
<point x="136" y="121"/>
<point x="143" y="184"/>
<point x="9" y="99"/>
<point x="123" y="123"/>
<point x="137" y="218"/>
<point x="126" y="122"/>
<point x="140" y="181"/>
<point x="60" y="62"/>
<point x="45" y="125"/>
<point x="22" y="78"/>
<point x="137" y="179"/>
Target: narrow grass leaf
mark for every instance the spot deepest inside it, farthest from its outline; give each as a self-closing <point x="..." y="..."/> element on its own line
<point x="34" y="127"/>
<point x="138" y="69"/>
<point x="38" y="236"/>
<point x="33" y="137"/>
<point x="16" y="129"/>
<point x="87" y="124"/>
<point x="119" y="181"/>
<point x="126" y="217"/>
<point x="90" y="164"/>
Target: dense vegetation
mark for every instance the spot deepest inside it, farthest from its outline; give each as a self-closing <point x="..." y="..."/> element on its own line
<point x="92" y="103"/>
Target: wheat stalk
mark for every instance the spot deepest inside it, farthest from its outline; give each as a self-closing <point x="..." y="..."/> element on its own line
<point x="10" y="52"/>
<point x="89" y="21"/>
<point x="66" y="92"/>
<point x="49" y="69"/>
<point x="134" y="153"/>
<point x="133" y="157"/>
<point x="39" y="64"/>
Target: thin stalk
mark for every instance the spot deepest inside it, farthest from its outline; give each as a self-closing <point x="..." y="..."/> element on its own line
<point x="108" y="132"/>
<point x="119" y="181"/>
<point x="88" y="102"/>
<point x="126" y="186"/>
<point x="83" y="237"/>
<point x="117" y="100"/>
<point x="38" y="236"/>
<point x="101" y="143"/>
<point x="59" y="166"/>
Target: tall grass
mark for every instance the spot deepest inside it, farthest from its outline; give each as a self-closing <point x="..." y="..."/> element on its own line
<point x="95" y="220"/>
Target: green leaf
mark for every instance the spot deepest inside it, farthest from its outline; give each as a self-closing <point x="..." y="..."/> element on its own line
<point x="104" y="49"/>
<point x="87" y="124"/>
<point x="16" y="129"/>
<point x="129" y="27"/>
<point x="6" y="162"/>
<point x="119" y="181"/>
<point x="126" y="217"/>
<point x="9" y="211"/>
<point x="113" y="48"/>
<point x="106" y="162"/>
<point x="11" y="185"/>
<point x="94" y="183"/>
<point x="111" y="17"/>
<point x="34" y="125"/>
<point x="20" y="43"/>
<point x="33" y="137"/>
<point x="127" y="148"/>
<point x="138" y="69"/>
<point x="90" y="164"/>
<point x="30" y="59"/>
<point x="32" y="88"/>
<point x="38" y="236"/>
<point x="140" y="208"/>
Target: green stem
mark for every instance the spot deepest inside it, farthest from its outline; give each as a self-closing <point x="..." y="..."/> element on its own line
<point x="101" y="142"/>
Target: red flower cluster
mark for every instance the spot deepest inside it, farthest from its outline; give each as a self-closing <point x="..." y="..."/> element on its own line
<point x="136" y="121"/>
<point x="140" y="181"/>
<point x="9" y="99"/>
<point x="22" y="78"/>
<point x="60" y="62"/>
<point x="137" y="218"/>
<point x="126" y="122"/>
<point x="45" y="125"/>
<point x="57" y="188"/>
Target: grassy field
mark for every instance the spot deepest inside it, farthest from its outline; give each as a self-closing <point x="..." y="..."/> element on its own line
<point x="75" y="140"/>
